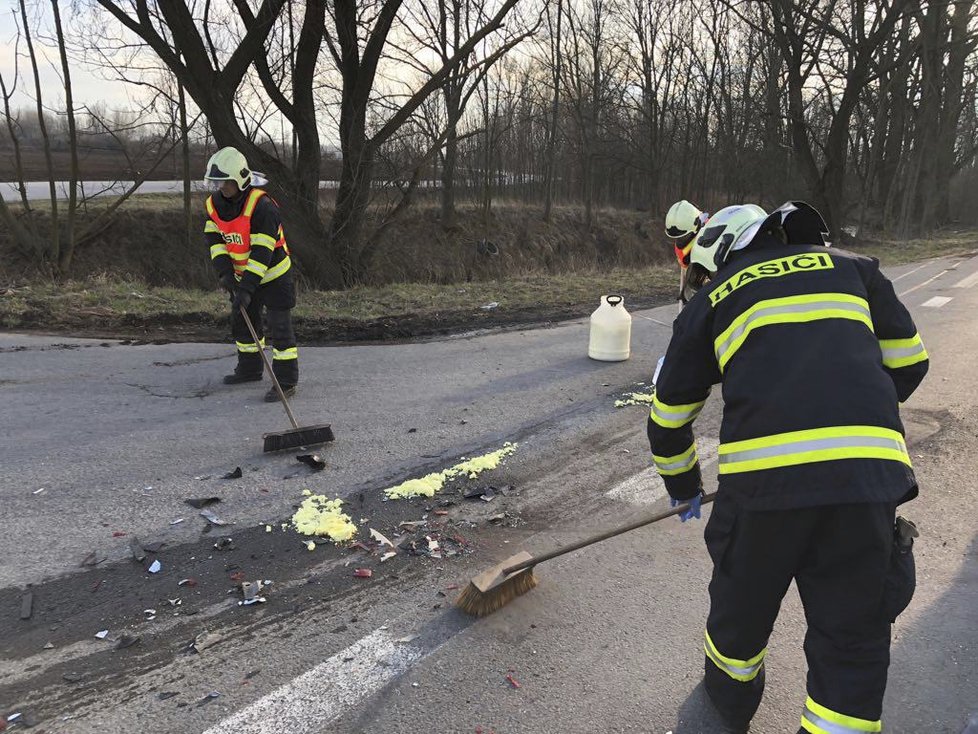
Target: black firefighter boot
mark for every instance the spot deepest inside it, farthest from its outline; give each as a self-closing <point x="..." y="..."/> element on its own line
<point x="249" y="369"/>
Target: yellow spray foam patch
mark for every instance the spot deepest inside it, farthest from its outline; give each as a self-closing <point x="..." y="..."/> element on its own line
<point x="635" y="398"/>
<point x="320" y="516"/>
<point x="427" y="486"/>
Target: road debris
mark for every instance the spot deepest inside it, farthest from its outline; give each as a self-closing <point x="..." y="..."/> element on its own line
<point x="177" y="521"/>
<point x="363" y="573"/>
<point x="199" y="503"/>
<point x="136" y="548"/>
<point x="164" y="695"/>
<point x="155" y="567"/>
<point x="320" y="516"/>
<point x="205" y="640"/>
<point x="27" y="605"/>
<point x="213" y="519"/>
<point x="236" y="474"/>
<point x="191" y="582"/>
<point x="250" y="590"/>
<point x="380" y="537"/>
<point x="208" y="698"/>
<point x="224" y="544"/>
<point x="428" y="485"/>
<point x="72" y="677"/>
<point x="491" y="306"/>
<point x="118" y="534"/>
<point x="237" y="576"/>
<point x="636" y="398"/>
<point x="102" y="635"/>
<point x="512" y="681"/>
<point x="312" y="461"/>
<point x="38" y="491"/>
<point x="388" y="555"/>
<point x="126" y="641"/>
<point x="310" y="545"/>
<point x="48" y="646"/>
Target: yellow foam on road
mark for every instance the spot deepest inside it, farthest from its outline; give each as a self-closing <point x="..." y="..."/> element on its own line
<point x="320" y="516"/>
<point x="428" y="485"/>
<point x="635" y="398"/>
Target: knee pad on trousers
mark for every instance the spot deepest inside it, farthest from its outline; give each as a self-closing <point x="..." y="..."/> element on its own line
<point x="280" y="325"/>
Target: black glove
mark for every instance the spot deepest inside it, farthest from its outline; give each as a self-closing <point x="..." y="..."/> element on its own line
<point x="242" y="299"/>
<point x="228" y="282"/>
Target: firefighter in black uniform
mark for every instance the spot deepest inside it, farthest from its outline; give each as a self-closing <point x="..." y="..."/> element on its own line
<point x="249" y="252"/>
<point x="815" y="353"/>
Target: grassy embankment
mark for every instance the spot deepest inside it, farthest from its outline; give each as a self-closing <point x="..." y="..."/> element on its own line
<point x="440" y="282"/>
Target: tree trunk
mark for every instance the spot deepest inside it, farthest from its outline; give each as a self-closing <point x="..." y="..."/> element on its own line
<point x="68" y="246"/>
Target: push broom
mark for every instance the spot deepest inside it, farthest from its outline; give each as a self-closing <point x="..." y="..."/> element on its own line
<point x="498" y="586"/>
<point x="299" y="435"/>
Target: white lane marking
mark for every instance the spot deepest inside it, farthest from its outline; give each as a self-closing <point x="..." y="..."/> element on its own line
<point x="967" y="282"/>
<point x="647" y="487"/>
<point x="909" y="272"/>
<point x="323" y="693"/>
<point x="936" y="302"/>
<point x="926" y="282"/>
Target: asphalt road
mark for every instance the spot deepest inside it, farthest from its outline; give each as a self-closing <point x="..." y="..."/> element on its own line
<point x="116" y="434"/>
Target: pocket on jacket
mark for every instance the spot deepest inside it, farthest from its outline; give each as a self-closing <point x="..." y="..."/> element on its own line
<point x="720" y="528"/>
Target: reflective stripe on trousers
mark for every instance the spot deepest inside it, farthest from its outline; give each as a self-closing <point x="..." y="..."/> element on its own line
<point x="283" y="354"/>
<point x="820" y="720"/>
<point x="814" y="445"/>
<point x="789" y="310"/>
<point x="741" y="670"/>
<point x="249" y="347"/>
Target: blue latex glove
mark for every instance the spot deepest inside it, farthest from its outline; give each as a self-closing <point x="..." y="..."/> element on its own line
<point x="694" y="507"/>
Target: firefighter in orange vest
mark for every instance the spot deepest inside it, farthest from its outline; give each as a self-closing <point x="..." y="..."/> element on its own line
<point x="683" y="222"/>
<point x="248" y="249"/>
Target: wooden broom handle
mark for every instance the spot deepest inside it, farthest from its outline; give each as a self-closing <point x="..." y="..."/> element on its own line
<point x="605" y="535"/>
<point x="271" y="372"/>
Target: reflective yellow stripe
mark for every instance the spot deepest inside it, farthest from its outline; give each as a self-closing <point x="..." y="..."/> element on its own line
<point x="789" y="310"/>
<point x="282" y="354"/>
<point x="263" y="240"/>
<point x="248" y="347"/>
<point x="241" y="257"/>
<point x="820" y="720"/>
<point x="277" y="270"/>
<point x="209" y="206"/>
<point x="253" y="198"/>
<point x="211" y="227"/>
<point x="902" y="352"/>
<point x="218" y="250"/>
<point x="811" y="446"/>
<point x="669" y="466"/>
<point x="802" y="263"/>
<point x="742" y="670"/>
<point x="257" y="268"/>
<point x="674" y="416"/>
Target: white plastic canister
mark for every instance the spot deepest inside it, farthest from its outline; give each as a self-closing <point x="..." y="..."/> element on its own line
<point x="611" y="330"/>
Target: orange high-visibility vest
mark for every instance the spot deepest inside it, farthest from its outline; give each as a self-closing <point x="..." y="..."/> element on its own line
<point x="237" y="232"/>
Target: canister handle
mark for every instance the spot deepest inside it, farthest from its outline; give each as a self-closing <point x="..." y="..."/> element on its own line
<point x="618" y="300"/>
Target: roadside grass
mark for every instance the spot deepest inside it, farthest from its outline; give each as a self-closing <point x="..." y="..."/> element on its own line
<point x="110" y="303"/>
<point x="110" y="299"/>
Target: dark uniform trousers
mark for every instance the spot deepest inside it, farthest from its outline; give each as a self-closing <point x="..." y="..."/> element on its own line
<point x="840" y="557"/>
<point x="278" y="300"/>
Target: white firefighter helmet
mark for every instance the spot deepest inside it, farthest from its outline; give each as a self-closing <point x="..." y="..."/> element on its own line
<point x="683" y="219"/>
<point x="229" y="164"/>
<point x="732" y="228"/>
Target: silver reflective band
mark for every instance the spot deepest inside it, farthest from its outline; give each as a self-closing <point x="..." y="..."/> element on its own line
<point x="733" y="670"/>
<point x="674" y="417"/>
<point x="681" y="464"/>
<point x="895" y="353"/>
<point x="830" y="727"/>
<point x="817" y="444"/>
<point x="724" y="346"/>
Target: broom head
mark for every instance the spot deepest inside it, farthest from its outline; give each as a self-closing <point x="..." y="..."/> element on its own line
<point x="298" y="437"/>
<point x="494" y="589"/>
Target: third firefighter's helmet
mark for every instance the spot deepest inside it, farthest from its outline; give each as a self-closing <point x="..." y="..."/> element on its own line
<point x="229" y="164"/>
<point x="732" y="228"/>
<point x="683" y="219"/>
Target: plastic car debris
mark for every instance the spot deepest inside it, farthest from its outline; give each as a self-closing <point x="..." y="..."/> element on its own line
<point x="212" y="518"/>
<point x="205" y="640"/>
<point x="312" y="461"/>
<point x="102" y="635"/>
<point x="155" y="567"/>
<point x="363" y="573"/>
<point x="236" y="474"/>
<point x="200" y="503"/>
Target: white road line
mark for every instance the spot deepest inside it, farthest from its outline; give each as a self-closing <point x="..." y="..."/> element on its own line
<point x="646" y="487"/>
<point x="909" y="272"/>
<point x="936" y="302"/>
<point x="967" y="282"/>
<point x="323" y="693"/>
<point x="926" y="282"/>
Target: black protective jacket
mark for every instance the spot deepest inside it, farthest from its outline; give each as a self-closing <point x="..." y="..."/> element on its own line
<point x="814" y="352"/>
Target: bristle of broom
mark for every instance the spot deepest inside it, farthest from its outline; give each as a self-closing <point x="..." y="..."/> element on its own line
<point x="297" y="437"/>
<point x="483" y="603"/>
